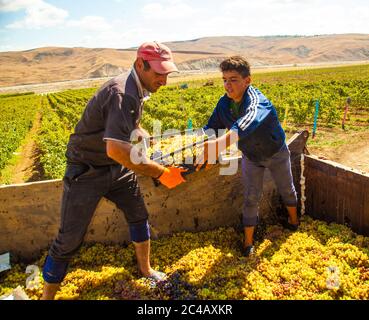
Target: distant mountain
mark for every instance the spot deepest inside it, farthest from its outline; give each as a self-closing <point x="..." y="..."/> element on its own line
<point x="57" y="64"/>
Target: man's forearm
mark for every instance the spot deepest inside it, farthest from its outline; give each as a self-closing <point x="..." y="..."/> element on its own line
<point x="151" y="168"/>
<point x="121" y="153"/>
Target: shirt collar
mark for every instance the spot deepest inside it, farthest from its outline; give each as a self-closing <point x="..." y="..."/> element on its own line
<point x="142" y="92"/>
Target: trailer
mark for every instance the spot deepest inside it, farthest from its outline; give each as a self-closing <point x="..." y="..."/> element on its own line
<point x="29" y="213"/>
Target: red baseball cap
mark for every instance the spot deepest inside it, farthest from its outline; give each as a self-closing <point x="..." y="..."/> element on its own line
<point x="158" y="56"/>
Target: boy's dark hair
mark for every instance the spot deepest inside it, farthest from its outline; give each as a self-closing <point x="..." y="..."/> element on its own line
<point x="236" y="63"/>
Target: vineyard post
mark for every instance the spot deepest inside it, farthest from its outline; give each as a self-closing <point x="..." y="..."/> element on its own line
<point x="285" y="117"/>
<point x="189" y="124"/>
<point x="348" y="102"/>
<point x="315" y="117"/>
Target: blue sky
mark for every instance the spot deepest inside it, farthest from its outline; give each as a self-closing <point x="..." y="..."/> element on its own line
<point x="27" y="24"/>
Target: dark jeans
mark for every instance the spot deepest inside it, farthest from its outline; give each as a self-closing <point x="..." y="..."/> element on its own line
<point x="253" y="175"/>
<point x="84" y="186"/>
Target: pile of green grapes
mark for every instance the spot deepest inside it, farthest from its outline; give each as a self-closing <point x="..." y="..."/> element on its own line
<point x="209" y="265"/>
<point x="168" y="145"/>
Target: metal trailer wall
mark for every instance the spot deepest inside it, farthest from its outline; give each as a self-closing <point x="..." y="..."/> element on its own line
<point x="336" y="193"/>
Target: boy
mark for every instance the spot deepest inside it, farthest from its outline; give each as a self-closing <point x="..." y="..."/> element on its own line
<point x="252" y="122"/>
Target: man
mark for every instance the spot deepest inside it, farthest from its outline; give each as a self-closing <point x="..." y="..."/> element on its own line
<point x="99" y="164"/>
<point x="252" y="122"/>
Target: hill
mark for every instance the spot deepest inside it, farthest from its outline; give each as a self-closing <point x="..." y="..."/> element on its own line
<point x="52" y="64"/>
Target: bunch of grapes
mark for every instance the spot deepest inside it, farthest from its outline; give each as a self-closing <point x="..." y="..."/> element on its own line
<point x="169" y="145"/>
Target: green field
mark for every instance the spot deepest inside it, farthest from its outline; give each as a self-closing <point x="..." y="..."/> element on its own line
<point x="294" y="91"/>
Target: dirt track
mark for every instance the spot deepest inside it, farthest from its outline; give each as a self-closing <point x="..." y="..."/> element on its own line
<point x="28" y="168"/>
<point x="348" y="148"/>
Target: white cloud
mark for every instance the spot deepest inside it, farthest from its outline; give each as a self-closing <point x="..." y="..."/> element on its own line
<point x="290" y="1"/>
<point x="15" y="5"/>
<point x="287" y="17"/>
<point x="39" y="14"/>
<point x="168" y="10"/>
<point x="7" y="47"/>
<point x="90" y="23"/>
<point x="171" y="20"/>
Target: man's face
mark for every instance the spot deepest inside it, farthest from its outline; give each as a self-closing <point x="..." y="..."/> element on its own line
<point x="235" y="85"/>
<point x="150" y="79"/>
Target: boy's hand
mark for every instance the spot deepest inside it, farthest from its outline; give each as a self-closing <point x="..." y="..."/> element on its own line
<point x="208" y="156"/>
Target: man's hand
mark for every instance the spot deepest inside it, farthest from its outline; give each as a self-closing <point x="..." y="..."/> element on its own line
<point x="142" y="134"/>
<point x="172" y="177"/>
<point x="124" y="153"/>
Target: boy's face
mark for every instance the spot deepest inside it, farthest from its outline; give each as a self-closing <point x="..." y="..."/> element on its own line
<point x="235" y="85"/>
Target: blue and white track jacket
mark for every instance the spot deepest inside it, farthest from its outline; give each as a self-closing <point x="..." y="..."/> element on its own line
<point x="259" y="130"/>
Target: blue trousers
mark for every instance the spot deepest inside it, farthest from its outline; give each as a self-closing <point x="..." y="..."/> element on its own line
<point x="253" y="175"/>
<point x="84" y="186"/>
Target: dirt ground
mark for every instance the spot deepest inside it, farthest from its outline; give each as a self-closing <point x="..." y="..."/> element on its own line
<point x="27" y="168"/>
<point x="350" y="148"/>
